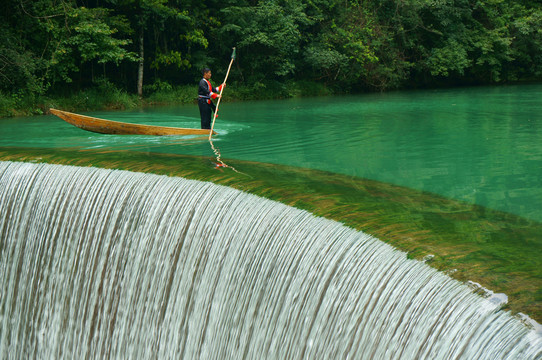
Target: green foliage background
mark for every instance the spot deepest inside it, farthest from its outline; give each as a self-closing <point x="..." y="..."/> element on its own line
<point x="57" y="48"/>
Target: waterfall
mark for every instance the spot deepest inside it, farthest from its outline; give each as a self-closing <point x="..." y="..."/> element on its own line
<point x="102" y="263"/>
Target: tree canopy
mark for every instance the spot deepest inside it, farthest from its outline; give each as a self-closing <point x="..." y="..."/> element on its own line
<point x="348" y="45"/>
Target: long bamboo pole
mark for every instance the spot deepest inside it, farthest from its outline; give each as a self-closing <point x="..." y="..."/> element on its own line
<point x="220" y="97"/>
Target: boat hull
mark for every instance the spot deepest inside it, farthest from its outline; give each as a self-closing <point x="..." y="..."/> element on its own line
<point x="103" y="126"/>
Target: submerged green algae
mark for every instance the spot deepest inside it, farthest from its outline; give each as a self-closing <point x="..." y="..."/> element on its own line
<point x="501" y="251"/>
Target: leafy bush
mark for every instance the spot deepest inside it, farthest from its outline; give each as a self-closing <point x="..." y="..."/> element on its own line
<point x="157" y="86"/>
<point x="173" y="95"/>
<point x="7" y="105"/>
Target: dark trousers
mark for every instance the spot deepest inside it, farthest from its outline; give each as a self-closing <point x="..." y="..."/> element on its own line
<point x="205" y="111"/>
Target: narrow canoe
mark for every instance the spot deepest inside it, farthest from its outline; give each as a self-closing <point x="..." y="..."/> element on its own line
<point x="102" y="126"/>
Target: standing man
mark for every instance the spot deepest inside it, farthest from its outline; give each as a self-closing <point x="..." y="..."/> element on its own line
<point x="206" y="93"/>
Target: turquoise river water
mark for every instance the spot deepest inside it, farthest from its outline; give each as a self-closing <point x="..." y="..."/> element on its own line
<point x="478" y="145"/>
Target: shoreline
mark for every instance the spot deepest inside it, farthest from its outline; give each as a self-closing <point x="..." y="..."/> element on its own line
<point x="110" y="98"/>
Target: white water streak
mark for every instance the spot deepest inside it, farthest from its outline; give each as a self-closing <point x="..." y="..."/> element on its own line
<point x="99" y="264"/>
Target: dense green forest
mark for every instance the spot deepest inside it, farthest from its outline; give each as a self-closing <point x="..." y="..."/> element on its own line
<point x="135" y="48"/>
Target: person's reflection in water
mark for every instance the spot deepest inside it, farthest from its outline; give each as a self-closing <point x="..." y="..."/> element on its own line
<point x="219" y="164"/>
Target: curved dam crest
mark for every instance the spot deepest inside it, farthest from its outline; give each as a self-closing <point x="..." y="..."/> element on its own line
<point x="106" y="263"/>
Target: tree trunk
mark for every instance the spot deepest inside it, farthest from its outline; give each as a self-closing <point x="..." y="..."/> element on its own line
<point x="141" y="63"/>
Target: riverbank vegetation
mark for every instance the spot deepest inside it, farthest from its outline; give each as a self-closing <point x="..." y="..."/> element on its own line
<point x="104" y="95"/>
<point x="89" y="54"/>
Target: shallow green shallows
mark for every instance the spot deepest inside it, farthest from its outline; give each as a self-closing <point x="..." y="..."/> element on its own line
<point x="454" y="173"/>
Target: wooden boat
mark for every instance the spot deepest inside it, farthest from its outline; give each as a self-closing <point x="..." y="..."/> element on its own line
<point x="102" y="126"/>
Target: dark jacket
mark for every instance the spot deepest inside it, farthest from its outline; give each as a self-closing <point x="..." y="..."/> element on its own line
<point x="206" y="91"/>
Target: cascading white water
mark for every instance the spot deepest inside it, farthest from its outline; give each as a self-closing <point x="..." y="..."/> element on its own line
<point x="111" y="264"/>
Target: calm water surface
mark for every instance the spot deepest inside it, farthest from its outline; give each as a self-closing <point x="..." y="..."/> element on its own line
<point x="479" y="145"/>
